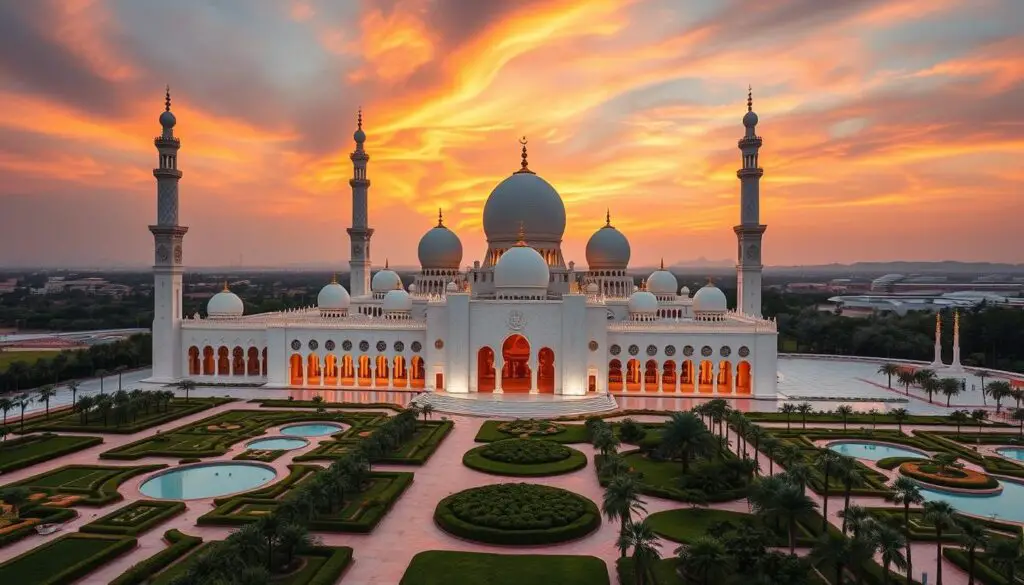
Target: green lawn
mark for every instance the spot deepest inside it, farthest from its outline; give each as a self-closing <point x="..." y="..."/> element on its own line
<point x="688" y="524"/>
<point x="323" y="565"/>
<point x="415" y="451"/>
<point x="73" y="422"/>
<point x="29" y="357"/>
<point x="662" y="478"/>
<point x="571" y="433"/>
<point x="29" y="450"/>
<point x="64" y="560"/>
<point x="447" y="568"/>
<point x="96" y="484"/>
<point x="135" y="518"/>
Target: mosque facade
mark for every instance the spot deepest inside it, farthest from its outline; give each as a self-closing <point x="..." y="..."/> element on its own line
<point x="520" y="320"/>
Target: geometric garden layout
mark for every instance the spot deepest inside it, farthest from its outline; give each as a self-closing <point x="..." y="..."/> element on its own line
<point x="287" y="492"/>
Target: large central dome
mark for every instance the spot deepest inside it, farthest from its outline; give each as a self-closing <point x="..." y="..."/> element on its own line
<point x="526" y="200"/>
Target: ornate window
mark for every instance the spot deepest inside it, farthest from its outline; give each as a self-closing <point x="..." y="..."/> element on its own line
<point x="346" y="345"/>
<point x="313" y="345"/>
<point x="438" y="344"/>
<point x="593" y="345"/>
<point x="364" y="345"/>
<point x="416" y="346"/>
<point x="399" y="346"/>
<point x="688" y="350"/>
<point x="615" y="349"/>
<point x="633" y="349"/>
<point x="652" y="350"/>
<point x="329" y="346"/>
<point x="744" y="351"/>
<point x="725" y="351"/>
<point x="382" y="346"/>
<point x="296" y="345"/>
<point x="706" y="351"/>
<point x="670" y="350"/>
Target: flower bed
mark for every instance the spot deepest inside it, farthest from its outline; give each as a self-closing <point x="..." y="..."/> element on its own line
<point x="963" y="479"/>
<point x="65" y="559"/>
<point x="522" y="513"/>
<point x="93" y="485"/>
<point x="530" y="428"/>
<point x="524" y="458"/>
<point x="894" y="462"/>
<point x="135" y="518"/>
<point x="492" y="430"/>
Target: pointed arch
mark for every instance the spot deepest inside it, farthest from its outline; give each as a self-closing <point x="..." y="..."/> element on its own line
<point x="365" y="371"/>
<point x="516" y="375"/>
<point x="668" y="376"/>
<point x="314" y="369"/>
<point x="238" y="361"/>
<point x="651" y="376"/>
<point x="686" y="376"/>
<point x="546" y="370"/>
<point x="725" y="381"/>
<point x="485" y="369"/>
<point x="633" y="375"/>
<point x="253" y="364"/>
<point x="330" y="370"/>
<point x="743" y="381"/>
<point x="223" y="361"/>
<point x="347" y="371"/>
<point x="194" y="365"/>
<point x="707" y="377"/>
<point x="295" y="370"/>
<point x="401" y="372"/>
<point x="382" y="369"/>
<point x="209" y="362"/>
<point x="615" y="374"/>
<point x="419" y="374"/>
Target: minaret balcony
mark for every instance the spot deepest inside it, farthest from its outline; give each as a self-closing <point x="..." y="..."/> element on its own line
<point x="754" y="172"/>
<point x="167" y="173"/>
<point x="167" y="140"/>
<point x="754" y="140"/>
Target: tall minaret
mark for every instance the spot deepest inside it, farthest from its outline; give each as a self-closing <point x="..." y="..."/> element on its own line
<point x="167" y="267"/>
<point x="360" y="232"/>
<point x="750" y="229"/>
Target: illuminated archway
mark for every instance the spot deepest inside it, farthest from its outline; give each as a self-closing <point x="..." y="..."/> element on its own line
<point x="223" y="362"/>
<point x="707" y="377"/>
<point x="313" y="369"/>
<point x="668" y="377"/>
<point x="743" y="378"/>
<point x="614" y="375"/>
<point x="401" y="373"/>
<point x="515" y="369"/>
<point x="365" y="371"/>
<point x="686" y="376"/>
<point x="238" y="361"/>
<point x="651" y="376"/>
<point x="209" y="363"/>
<point x="253" y="366"/>
<point x="419" y="376"/>
<point x="546" y="370"/>
<point x="295" y="370"/>
<point x="347" y="371"/>
<point x="725" y="377"/>
<point x="330" y="370"/>
<point x="194" y="365"/>
<point x="485" y="369"/>
<point x="633" y="375"/>
<point x="382" y="369"/>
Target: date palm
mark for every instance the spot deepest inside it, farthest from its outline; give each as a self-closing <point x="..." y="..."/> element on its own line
<point x="890" y="545"/>
<point x="998" y="389"/>
<point x="685" y="436"/>
<point x="788" y="409"/>
<point x="856" y="518"/>
<point x="707" y="559"/>
<point x="826" y="461"/>
<point x="940" y="515"/>
<point x="119" y="370"/>
<point x="606" y="442"/>
<point x="45" y="394"/>
<point x="643" y="541"/>
<point x="101" y="373"/>
<point x="1006" y="556"/>
<point x="979" y="415"/>
<point x="426" y="410"/>
<point x="972" y="537"/>
<point x="906" y="379"/>
<point x="771" y="449"/>
<point x="86" y="403"/>
<point x="899" y="415"/>
<point x="791" y="504"/>
<point x="73" y="387"/>
<point x="1017" y="414"/>
<point x="804" y="408"/>
<point x="889" y="370"/>
<point x="621" y="501"/>
<point x="929" y="385"/>
<point x="959" y="417"/>
<point x="186" y="386"/>
<point x="23" y="401"/>
<point x="949" y="387"/>
<point x="844" y="410"/>
<point x="906" y="492"/>
<point x="6" y="404"/>
<point x="847" y="472"/>
<point x="832" y="549"/>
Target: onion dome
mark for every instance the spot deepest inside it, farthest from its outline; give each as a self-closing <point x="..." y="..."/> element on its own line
<point x="662" y="283"/>
<point x="709" y="299"/>
<point x="592" y="288"/>
<point x="607" y="249"/>
<point x="452" y="287"/>
<point x="440" y="248"/>
<point x="524" y="199"/>
<point x="397" y="300"/>
<point x="333" y="297"/>
<point x="225" y="305"/>
<point x="385" y="280"/>
<point x="412" y="287"/>
<point x="167" y="119"/>
<point x="643" y="303"/>
<point x="685" y="291"/>
<point x="521" y="267"/>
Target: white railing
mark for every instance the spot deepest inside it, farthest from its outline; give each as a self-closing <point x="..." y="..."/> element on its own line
<point x="733" y="323"/>
<point x="307" y="317"/>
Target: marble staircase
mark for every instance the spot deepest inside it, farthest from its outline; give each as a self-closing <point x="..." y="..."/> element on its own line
<point x="515" y="405"/>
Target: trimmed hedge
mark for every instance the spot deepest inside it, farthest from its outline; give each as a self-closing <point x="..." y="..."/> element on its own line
<point x="100" y="491"/>
<point x="660" y="478"/>
<point x="569" y="434"/>
<point x="686" y="525"/>
<point x="181" y="544"/>
<point x="437" y="567"/>
<point x="423" y="444"/>
<point x="968" y="480"/>
<point x="153" y="512"/>
<point x="64" y="560"/>
<point x="28" y="450"/>
<point x="891" y="463"/>
<point x="921" y="531"/>
<point x="278" y="403"/>
<point x="476" y="459"/>
<point x="46" y="515"/>
<point x="984" y="573"/>
<point x="586" y="516"/>
<point x="329" y="573"/>
<point x="71" y="422"/>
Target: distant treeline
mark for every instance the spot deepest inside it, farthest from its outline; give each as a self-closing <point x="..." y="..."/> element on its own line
<point x="106" y="359"/>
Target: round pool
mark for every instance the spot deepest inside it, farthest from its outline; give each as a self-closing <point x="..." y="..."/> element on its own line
<point x="1006" y="505"/>
<point x="311" y="429"/>
<point x="278" y="443"/>
<point x="1012" y="452"/>
<point x="206" y="480"/>
<point x="873" y="451"/>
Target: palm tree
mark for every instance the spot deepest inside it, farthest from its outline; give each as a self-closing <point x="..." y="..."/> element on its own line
<point x="788" y="409"/>
<point x="707" y="558"/>
<point x="684" y="436"/>
<point x="972" y="537"/>
<point x="949" y="387"/>
<point x="606" y="442"/>
<point x="756" y="435"/>
<point x="6" y="404"/>
<point x="857" y="518"/>
<point x="900" y="415"/>
<point x="1018" y="415"/>
<point x="906" y="492"/>
<point x="73" y="386"/>
<point x="186" y="386"/>
<point x="4" y="431"/>
<point x="825" y="461"/>
<point x="84" y="405"/>
<point x="940" y="515"/>
<point x="874" y="417"/>
<point x="290" y="538"/>
<point x="844" y="410"/>
<point x="959" y="417"/>
<point x="17" y="371"/>
<point x="268" y="527"/>
<point x="998" y="389"/>
<point x="832" y="549"/>
<point x="101" y="373"/>
<point x="426" y="410"/>
<point x="644" y="542"/>
<point x="890" y="544"/>
<point x="1006" y="556"/>
<point x="804" y="408"/>
<point x="889" y="370"/>
<point x="120" y="370"/>
<point x="847" y="471"/>
<point x="906" y="378"/>
<point x="45" y="394"/>
<point x="790" y="503"/>
<point x="979" y="415"/>
<point x="982" y="374"/>
<point x="771" y="447"/>
<point x="22" y="403"/>
<point x="621" y="501"/>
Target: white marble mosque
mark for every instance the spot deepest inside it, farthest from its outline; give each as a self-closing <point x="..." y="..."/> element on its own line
<point x="519" y="320"/>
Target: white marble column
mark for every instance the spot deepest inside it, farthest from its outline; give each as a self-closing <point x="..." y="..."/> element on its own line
<point x="661" y="379"/>
<point x="533" y="377"/>
<point x="715" y="368"/>
<point x="695" y="373"/>
<point x="391" y="373"/>
<point x="499" y="363"/>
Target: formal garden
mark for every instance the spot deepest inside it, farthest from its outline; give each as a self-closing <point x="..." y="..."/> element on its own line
<point x="524" y="458"/>
<point x="122" y="412"/>
<point x="447" y="567"/>
<point x="36" y="448"/>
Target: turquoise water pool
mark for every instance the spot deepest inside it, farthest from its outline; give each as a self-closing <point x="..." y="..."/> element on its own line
<point x="206" y="481"/>
<point x="278" y="444"/>
<point x="1012" y="452"/>
<point x="1008" y="505"/>
<point x="311" y="430"/>
<point x="872" y="451"/>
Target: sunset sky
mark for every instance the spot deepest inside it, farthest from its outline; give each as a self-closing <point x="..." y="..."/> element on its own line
<point x="892" y="129"/>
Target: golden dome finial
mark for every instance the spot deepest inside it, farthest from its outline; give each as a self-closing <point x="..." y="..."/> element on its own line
<point x="524" y="165"/>
<point x="226" y="289"/>
<point x="711" y="281"/>
<point x="662" y="264"/>
<point x="167" y="99"/>
<point x="608" y="217"/>
<point x="334" y="278"/>
<point x="522" y="234"/>
<point x="440" y="218"/>
<point x="386" y="264"/>
<point x="750" y="98"/>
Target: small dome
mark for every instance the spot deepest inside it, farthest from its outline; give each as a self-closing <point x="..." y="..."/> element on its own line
<point x="440" y="248"/>
<point x="521" y="267"/>
<point x="607" y="249"/>
<point x="397" y="300"/>
<point x="167" y="119"/>
<point x="662" y="282"/>
<point x="385" y="280"/>
<point x="592" y="288"/>
<point x="685" y="291"/>
<point x="452" y="287"/>
<point x="225" y="304"/>
<point x="412" y="287"/>
<point x="643" y="302"/>
<point x="333" y="297"/>
<point x="710" y="299"/>
<point x="359" y="136"/>
<point x="524" y="199"/>
<point x="750" y="119"/>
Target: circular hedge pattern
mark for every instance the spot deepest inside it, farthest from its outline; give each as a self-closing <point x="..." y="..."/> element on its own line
<point x="965" y="479"/>
<point x="517" y="513"/>
<point x="530" y="428"/>
<point x="524" y="458"/>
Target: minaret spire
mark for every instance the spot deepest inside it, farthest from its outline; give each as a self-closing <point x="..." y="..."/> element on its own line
<point x="440" y="218"/>
<point x="167" y="99"/>
<point x="524" y="165"/>
<point x="360" y="232"/>
<point x="750" y="229"/>
<point x="750" y="98"/>
<point x="608" y="217"/>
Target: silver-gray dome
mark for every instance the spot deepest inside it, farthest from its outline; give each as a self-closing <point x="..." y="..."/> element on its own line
<point x="167" y="119"/>
<point x="607" y="249"/>
<point x="526" y="200"/>
<point x="440" y="248"/>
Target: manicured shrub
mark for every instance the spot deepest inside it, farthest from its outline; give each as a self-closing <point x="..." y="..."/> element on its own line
<point x="965" y="479"/>
<point x="135" y="518"/>
<point x="631" y="431"/>
<point x="530" y="427"/>
<point x="64" y="560"/>
<point x="525" y="452"/>
<point x="141" y="572"/>
<point x="25" y="451"/>
<point x="544" y="452"/>
<point x="894" y="462"/>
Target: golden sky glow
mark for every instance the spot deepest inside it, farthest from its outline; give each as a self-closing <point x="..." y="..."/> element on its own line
<point x="892" y="130"/>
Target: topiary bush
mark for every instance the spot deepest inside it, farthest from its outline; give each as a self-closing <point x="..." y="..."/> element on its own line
<point x="524" y="458"/>
<point x="530" y="428"/>
<point x="631" y="431"/>
<point x="525" y="452"/>
<point x="518" y="513"/>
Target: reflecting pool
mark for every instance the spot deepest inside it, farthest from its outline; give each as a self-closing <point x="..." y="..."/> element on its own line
<point x="278" y="444"/>
<point x="311" y="429"/>
<point x="206" y="481"/>
<point x="1008" y="505"/>
<point x="873" y="451"/>
<point x="1012" y="452"/>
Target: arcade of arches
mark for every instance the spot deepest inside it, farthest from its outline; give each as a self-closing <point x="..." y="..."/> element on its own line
<point x="223" y="361"/>
<point x="359" y="371"/>
<point x="698" y="377"/>
<point x="516" y="369"/>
